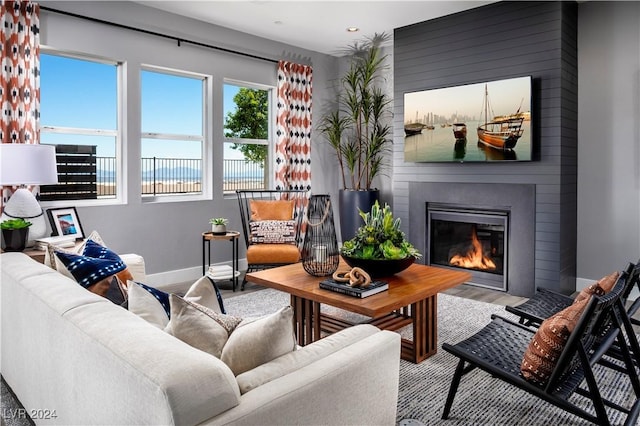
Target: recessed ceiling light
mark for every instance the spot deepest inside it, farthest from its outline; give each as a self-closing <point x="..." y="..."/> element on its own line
<point x="353" y="29"/>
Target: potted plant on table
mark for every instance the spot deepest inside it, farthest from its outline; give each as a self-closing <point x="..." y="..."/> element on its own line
<point x="359" y="130"/>
<point x="379" y="247"/>
<point x="15" y="234"/>
<point x="218" y="225"/>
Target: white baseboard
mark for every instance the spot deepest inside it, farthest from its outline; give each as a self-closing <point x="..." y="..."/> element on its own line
<point x="174" y="281"/>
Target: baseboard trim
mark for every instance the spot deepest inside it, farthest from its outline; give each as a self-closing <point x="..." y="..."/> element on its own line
<point x="173" y="281"/>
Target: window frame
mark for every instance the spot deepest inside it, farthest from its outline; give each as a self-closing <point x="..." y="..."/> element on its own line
<point x="121" y="178"/>
<point x="205" y="139"/>
<point x="269" y="142"/>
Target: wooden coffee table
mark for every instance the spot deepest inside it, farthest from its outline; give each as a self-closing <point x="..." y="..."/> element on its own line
<point x="412" y="298"/>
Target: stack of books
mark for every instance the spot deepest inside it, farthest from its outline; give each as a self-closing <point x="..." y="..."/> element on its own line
<point x="220" y="272"/>
<point x="344" y="288"/>
<point x="59" y="241"/>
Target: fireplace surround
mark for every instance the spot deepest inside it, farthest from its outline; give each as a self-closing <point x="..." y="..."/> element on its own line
<point x="469" y="239"/>
<point x="517" y="199"/>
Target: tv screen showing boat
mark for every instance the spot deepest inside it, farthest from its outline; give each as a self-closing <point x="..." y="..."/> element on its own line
<point x="480" y="122"/>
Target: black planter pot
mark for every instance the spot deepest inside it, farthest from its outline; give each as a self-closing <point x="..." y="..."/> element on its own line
<point x="349" y="203"/>
<point x="15" y="239"/>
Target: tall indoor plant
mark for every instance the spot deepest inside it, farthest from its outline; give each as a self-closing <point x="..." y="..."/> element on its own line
<point x="359" y="130"/>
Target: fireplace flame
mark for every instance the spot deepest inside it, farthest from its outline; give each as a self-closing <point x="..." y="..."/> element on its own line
<point x="474" y="258"/>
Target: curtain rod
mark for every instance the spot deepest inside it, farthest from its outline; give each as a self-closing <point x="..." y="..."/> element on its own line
<point x="174" y="38"/>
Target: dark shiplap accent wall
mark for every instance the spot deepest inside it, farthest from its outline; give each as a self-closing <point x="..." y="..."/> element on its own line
<point x="504" y="40"/>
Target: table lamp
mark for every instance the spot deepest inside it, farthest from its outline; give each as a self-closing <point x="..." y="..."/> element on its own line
<point x="22" y="165"/>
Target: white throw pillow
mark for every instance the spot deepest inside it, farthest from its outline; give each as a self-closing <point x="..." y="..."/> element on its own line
<point x="257" y="341"/>
<point x="199" y="326"/>
<point x="144" y="304"/>
<point x="203" y="293"/>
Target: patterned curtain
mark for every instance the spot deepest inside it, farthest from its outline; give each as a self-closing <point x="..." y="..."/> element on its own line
<point x="293" y="131"/>
<point x="20" y="74"/>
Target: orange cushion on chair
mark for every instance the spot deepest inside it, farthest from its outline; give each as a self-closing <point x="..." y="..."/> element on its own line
<point x="271" y="209"/>
<point x="272" y="253"/>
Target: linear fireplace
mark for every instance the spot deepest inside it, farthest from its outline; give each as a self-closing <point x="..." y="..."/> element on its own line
<point x="472" y="239"/>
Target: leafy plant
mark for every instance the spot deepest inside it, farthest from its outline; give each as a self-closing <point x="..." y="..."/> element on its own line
<point x="218" y="221"/>
<point x="359" y="129"/>
<point x="18" y="223"/>
<point x="379" y="238"/>
<point x="249" y="121"/>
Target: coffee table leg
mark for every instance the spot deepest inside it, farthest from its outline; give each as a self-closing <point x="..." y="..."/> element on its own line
<point x="425" y="329"/>
<point x="306" y="320"/>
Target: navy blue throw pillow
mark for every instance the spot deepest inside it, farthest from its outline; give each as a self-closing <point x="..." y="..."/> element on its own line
<point x="94" y="265"/>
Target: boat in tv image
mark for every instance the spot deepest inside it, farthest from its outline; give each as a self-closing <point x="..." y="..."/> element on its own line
<point x="499" y="111"/>
<point x="459" y="131"/>
<point x="502" y="132"/>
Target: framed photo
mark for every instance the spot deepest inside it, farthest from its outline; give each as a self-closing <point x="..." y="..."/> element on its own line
<point x="65" y="221"/>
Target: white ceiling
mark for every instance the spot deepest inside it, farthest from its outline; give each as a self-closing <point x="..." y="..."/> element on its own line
<point x="314" y="25"/>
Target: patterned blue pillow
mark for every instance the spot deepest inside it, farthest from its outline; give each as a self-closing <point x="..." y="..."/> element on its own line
<point x="94" y="265"/>
<point x="160" y="295"/>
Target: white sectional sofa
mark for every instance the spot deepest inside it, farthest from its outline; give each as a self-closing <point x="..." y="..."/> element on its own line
<point x="80" y="356"/>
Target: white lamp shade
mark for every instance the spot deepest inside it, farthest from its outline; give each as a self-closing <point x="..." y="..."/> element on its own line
<point x="27" y="164"/>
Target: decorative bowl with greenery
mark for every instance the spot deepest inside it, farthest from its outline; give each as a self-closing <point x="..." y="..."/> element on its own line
<point x="218" y="225"/>
<point x="379" y="239"/>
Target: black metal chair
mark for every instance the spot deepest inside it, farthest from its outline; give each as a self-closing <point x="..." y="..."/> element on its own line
<point x="546" y="302"/>
<point x="262" y="255"/>
<point x="498" y="349"/>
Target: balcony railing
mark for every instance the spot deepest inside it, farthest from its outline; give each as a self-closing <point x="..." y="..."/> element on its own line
<point x="166" y="176"/>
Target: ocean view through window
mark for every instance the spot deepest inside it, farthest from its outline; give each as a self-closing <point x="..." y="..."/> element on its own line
<point x="82" y="112"/>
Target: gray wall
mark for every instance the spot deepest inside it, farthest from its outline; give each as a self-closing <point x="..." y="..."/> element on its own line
<point x="168" y="235"/>
<point x="504" y="40"/>
<point x="609" y="136"/>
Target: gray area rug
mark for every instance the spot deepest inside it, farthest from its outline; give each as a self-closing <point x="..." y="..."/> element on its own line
<point x="481" y="400"/>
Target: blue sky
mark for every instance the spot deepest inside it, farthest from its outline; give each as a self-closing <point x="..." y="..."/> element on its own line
<point x="70" y="97"/>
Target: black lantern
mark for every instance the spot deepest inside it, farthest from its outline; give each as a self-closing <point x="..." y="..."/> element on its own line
<point x="320" y="255"/>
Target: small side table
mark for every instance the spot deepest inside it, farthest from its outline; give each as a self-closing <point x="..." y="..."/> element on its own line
<point x="232" y="236"/>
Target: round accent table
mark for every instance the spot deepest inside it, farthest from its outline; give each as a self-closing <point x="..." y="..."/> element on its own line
<point x="233" y="274"/>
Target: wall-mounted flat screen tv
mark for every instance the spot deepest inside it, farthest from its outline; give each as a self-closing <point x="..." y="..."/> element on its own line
<point x="479" y="122"/>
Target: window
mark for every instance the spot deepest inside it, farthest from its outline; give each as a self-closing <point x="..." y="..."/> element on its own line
<point x="247" y="137"/>
<point x="172" y="147"/>
<point x="79" y="115"/>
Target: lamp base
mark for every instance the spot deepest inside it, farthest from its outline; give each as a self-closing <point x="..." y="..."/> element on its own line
<point x="23" y="204"/>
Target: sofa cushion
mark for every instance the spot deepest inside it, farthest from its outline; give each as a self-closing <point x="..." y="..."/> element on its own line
<point x="541" y="356"/>
<point x="272" y="253"/>
<point x="271" y="209"/>
<point x="199" y="326"/>
<point x="293" y="361"/>
<point x="259" y="340"/>
<point x="273" y="232"/>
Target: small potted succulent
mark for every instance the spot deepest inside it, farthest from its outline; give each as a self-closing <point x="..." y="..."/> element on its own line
<point x="15" y="234"/>
<point x="379" y="247"/>
<point x="218" y="225"/>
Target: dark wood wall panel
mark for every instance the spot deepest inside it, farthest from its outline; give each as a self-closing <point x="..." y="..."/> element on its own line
<point x="504" y="40"/>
